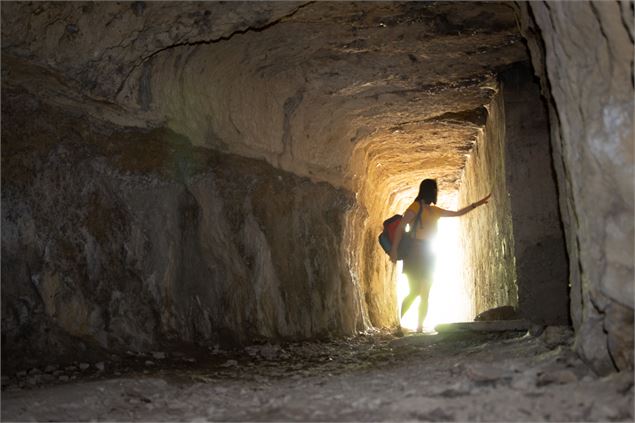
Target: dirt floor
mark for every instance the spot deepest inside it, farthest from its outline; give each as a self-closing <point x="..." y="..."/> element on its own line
<point x="509" y="376"/>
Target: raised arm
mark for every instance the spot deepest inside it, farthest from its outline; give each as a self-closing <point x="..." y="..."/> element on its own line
<point x="408" y="218"/>
<point x="464" y="210"/>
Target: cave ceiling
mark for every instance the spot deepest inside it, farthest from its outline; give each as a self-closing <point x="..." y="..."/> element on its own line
<point x="338" y="91"/>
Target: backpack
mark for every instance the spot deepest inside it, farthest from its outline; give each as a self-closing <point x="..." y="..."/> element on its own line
<point x="387" y="236"/>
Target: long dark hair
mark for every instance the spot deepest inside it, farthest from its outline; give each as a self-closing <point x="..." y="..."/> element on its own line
<point x="427" y="191"/>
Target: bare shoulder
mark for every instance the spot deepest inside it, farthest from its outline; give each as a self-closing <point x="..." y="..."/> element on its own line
<point x="414" y="207"/>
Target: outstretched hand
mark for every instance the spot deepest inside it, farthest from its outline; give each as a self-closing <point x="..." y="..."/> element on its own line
<point x="485" y="199"/>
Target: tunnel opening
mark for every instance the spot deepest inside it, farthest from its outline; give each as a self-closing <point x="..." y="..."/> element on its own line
<point x="213" y="177"/>
<point x="448" y="300"/>
<point x="512" y="253"/>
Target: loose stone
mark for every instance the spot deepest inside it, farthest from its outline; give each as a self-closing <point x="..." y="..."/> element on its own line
<point x="51" y="368"/>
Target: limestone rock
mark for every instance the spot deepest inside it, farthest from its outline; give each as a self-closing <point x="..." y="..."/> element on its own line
<point x="122" y="245"/>
<point x="98" y="56"/>
<point x="593" y="151"/>
<point x="51" y="368"/>
<point x="553" y="336"/>
<point x="557" y="377"/>
<point x="498" y="313"/>
<point x="619" y="326"/>
<point x="594" y="346"/>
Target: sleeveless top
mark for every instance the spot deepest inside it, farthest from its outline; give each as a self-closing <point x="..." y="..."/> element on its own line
<point x="430" y="215"/>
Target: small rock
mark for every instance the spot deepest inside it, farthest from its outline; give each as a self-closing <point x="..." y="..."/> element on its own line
<point x="83" y="366"/>
<point x="536" y="330"/>
<point x="553" y="336"/>
<point x="252" y="351"/>
<point x="158" y="355"/>
<point x="70" y="368"/>
<point x="189" y="359"/>
<point x="21" y="373"/>
<point x="33" y="380"/>
<point x="524" y="381"/>
<point x="34" y="371"/>
<point x="73" y="377"/>
<point x="100" y="366"/>
<point x="58" y="372"/>
<point x="51" y="368"/>
<point x="117" y="373"/>
<point x="558" y="377"/>
<point x="149" y="363"/>
<point x="456" y="390"/>
<point x="46" y="378"/>
<point x="229" y="363"/>
<point x="485" y="373"/>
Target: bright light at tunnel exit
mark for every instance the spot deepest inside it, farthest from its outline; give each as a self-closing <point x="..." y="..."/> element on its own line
<point x="448" y="300"/>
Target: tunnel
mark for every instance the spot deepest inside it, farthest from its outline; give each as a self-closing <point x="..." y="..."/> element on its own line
<point x="188" y="186"/>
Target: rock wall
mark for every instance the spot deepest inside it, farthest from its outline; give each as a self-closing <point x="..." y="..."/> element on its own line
<point x="129" y="239"/>
<point x="339" y="92"/>
<point x="583" y="54"/>
<point x="487" y="234"/>
<point x="98" y="44"/>
<point x="539" y="247"/>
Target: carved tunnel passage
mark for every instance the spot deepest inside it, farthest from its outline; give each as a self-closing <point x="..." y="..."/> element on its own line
<point x="217" y="173"/>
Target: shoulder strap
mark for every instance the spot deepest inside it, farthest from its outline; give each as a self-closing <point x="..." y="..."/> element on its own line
<point x="417" y="219"/>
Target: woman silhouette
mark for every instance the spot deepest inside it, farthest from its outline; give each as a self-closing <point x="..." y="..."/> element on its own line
<point x="423" y="215"/>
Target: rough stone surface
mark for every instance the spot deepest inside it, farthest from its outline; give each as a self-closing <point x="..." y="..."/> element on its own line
<point x="132" y="239"/>
<point x="498" y="313"/>
<point x="583" y="53"/>
<point x="452" y="377"/>
<point x="98" y="44"/>
<point x="486" y="233"/>
<point x="539" y="247"/>
<point x="486" y="326"/>
<point x="338" y="92"/>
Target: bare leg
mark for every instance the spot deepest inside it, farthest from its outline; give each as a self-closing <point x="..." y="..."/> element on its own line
<point x="407" y="302"/>
<point x="423" y="305"/>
